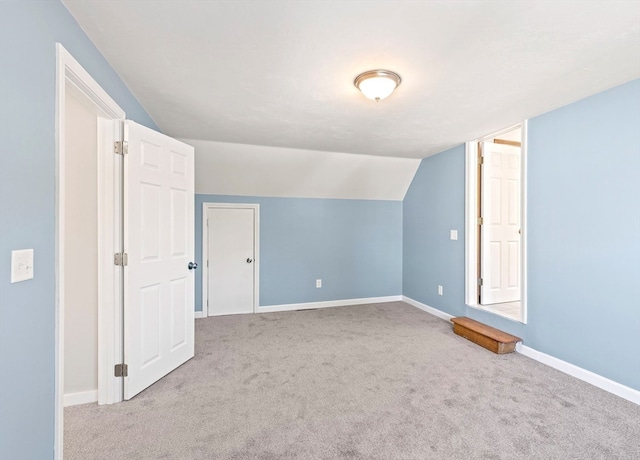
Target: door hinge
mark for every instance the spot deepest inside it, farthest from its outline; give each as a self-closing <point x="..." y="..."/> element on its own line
<point x="121" y="370"/>
<point x="120" y="147"/>
<point x="480" y="160"/>
<point x="207" y="264"/>
<point x="121" y="259"/>
<point x="480" y="221"/>
<point x="479" y="281"/>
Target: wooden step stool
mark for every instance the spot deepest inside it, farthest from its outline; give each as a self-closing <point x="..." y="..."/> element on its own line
<point x="486" y="336"/>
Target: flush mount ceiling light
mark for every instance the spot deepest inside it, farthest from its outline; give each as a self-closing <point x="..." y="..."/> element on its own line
<point x="377" y="84"/>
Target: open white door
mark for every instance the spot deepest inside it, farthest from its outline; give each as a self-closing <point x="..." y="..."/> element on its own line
<point x="500" y="230"/>
<point x="159" y="243"/>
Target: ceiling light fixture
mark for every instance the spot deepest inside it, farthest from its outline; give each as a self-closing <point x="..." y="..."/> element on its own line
<point x="377" y="84"/>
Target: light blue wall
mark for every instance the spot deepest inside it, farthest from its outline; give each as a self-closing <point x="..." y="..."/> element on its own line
<point x="28" y="32"/>
<point x="584" y="233"/>
<point x="584" y="202"/>
<point x="583" y="230"/>
<point x="354" y="246"/>
<point x="434" y="205"/>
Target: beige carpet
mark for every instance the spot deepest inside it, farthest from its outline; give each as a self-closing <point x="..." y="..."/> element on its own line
<point x="383" y="381"/>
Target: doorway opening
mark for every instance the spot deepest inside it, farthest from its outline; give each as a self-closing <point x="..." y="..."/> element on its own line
<point x="495" y="223"/>
<point x="124" y="319"/>
<point x="86" y="233"/>
<point x="81" y="250"/>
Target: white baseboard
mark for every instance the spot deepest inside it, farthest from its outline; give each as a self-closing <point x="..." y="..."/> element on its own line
<point x="199" y="314"/>
<point x="594" y="379"/>
<point x="427" y="308"/>
<point x="83" y="397"/>
<point x="327" y="304"/>
<point x="597" y="380"/>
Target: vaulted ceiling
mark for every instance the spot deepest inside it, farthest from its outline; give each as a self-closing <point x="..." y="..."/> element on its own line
<point x="280" y="73"/>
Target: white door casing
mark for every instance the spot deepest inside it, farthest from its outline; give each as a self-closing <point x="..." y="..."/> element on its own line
<point x="500" y="230"/>
<point x="71" y="76"/>
<point x="159" y="242"/>
<point x="231" y="255"/>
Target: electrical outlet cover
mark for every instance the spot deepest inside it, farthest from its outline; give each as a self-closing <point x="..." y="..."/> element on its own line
<point x="21" y="265"/>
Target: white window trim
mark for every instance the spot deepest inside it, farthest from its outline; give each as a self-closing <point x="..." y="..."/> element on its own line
<point x="471" y="227"/>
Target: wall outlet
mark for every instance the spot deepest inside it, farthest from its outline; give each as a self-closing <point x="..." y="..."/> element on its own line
<point x="453" y="234"/>
<point x="21" y="265"/>
<point x="440" y="290"/>
<point x="318" y="283"/>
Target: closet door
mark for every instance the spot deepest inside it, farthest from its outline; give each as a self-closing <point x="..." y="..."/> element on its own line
<point x="231" y="256"/>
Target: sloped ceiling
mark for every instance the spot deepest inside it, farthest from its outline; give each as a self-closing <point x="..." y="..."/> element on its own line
<point x="238" y="169"/>
<point x="280" y="73"/>
<point x="264" y="89"/>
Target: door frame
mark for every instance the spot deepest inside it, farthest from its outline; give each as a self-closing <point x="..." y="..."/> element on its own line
<point x="205" y="251"/>
<point x="471" y="220"/>
<point x="69" y="73"/>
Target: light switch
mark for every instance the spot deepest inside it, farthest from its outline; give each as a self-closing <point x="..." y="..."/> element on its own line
<point x="454" y="234"/>
<point x="21" y="265"/>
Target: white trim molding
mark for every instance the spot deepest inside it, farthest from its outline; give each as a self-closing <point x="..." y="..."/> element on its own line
<point x="471" y="227"/>
<point x="72" y="77"/>
<point x="83" y="397"/>
<point x="433" y="311"/>
<point x="200" y="314"/>
<point x="594" y="379"/>
<point x="328" y="304"/>
<point x="471" y="231"/>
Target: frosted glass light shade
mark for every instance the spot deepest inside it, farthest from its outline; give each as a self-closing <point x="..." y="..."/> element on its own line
<point x="377" y="84"/>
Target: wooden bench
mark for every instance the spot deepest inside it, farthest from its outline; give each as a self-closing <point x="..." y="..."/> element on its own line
<point x="486" y="336"/>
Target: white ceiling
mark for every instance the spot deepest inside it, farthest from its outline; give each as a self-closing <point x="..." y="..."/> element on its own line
<point x="250" y="170"/>
<point x="280" y="73"/>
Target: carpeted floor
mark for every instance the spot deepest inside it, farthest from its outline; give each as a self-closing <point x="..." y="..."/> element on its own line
<point x="384" y="381"/>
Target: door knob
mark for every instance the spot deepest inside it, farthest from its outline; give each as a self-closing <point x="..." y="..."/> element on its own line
<point x="249" y="260"/>
<point x="192" y="265"/>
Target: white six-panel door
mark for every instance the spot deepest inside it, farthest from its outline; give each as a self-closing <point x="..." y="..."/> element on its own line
<point x="500" y="231"/>
<point x="159" y="241"/>
<point x="231" y="256"/>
